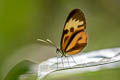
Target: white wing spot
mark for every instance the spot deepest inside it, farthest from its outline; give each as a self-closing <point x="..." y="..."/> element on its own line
<point x="81" y="22"/>
<point x="73" y="23"/>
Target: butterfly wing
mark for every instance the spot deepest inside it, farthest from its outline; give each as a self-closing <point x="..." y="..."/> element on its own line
<point x="74" y="37"/>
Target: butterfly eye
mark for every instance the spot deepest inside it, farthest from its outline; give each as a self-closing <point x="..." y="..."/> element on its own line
<point x="57" y="50"/>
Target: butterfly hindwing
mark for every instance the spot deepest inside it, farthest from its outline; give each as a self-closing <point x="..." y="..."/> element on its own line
<point x="74" y="38"/>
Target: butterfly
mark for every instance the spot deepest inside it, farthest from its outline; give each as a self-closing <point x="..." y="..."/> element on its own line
<point x="74" y="37"/>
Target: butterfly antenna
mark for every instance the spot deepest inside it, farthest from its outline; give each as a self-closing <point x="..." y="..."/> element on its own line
<point x="41" y="40"/>
<point x="50" y="42"/>
<point x="47" y="41"/>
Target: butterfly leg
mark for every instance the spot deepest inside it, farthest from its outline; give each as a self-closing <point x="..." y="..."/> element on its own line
<point x="68" y="61"/>
<point x="57" y="59"/>
<point x="61" y="63"/>
<point x="57" y="62"/>
<point x="73" y="59"/>
<point x="62" y="60"/>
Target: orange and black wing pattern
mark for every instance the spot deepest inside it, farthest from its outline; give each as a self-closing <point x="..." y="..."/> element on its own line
<point x="74" y="37"/>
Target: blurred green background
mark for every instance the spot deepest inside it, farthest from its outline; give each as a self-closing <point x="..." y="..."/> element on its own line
<point x="23" y="21"/>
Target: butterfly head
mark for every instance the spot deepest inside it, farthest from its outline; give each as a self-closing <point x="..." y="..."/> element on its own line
<point x="57" y="50"/>
<point x="60" y="51"/>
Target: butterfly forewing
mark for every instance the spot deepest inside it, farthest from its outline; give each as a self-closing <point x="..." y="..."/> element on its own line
<point x="74" y="38"/>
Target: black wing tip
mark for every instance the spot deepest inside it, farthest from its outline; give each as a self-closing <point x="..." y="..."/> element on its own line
<point x="74" y="11"/>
